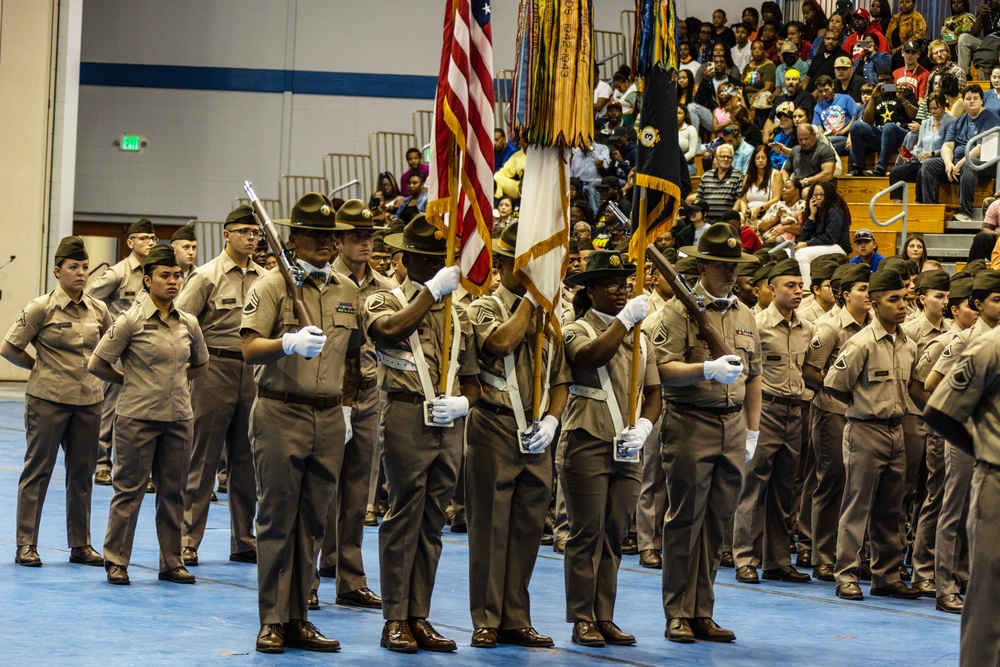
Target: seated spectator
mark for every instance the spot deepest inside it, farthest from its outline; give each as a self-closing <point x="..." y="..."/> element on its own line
<point x="414" y="158"/>
<point x="782" y="221"/>
<point x="626" y="93"/>
<point x="687" y="60"/>
<point x="761" y="186"/>
<point x="793" y="35"/>
<point x="575" y="188"/>
<point x="687" y="138"/>
<point x="930" y="139"/>
<point x="912" y="73"/>
<point x="882" y="126"/>
<point x="794" y="94"/>
<point x="722" y="30"/>
<point x="961" y="21"/>
<point x="590" y="165"/>
<point x="706" y="99"/>
<point x="871" y="61"/>
<point x="940" y="56"/>
<point x="740" y="53"/>
<point x="992" y="96"/>
<point x="982" y="247"/>
<point x="692" y="224"/>
<point x="864" y="27"/>
<point x="784" y="137"/>
<point x="504" y="216"/>
<point x="814" y="18"/>
<point x="835" y="26"/>
<point x="706" y="38"/>
<point x="986" y="26"/>
<point x="750" y="130"/>
<point x="387" y="192"/>
<point x="610" y="192"/>
<point x="799" y="118"/>
<point x="758" y="81"/>
<point x="581" y="228"/>
<point x="416" y="201"/>
<point x="720" y="187"/>
<point x="733" y="137"/>
<point x="507" y="181"/>
<point x="845" y="81"/>
<point x="991" y="217"/>
<point x="790" y="61"/>
<point x="502" y="149"/>
<point x="955" y="152"/>
<point x="770" y="11"/>
<point x="823" y="62"/>
<point x="748" y="237"/>
<point x="603" y="90"/>
<point x="708" y="68"/>
<point x="826" y="228"/>
<point x="686" y="88"/>
<point x="611" y="121"/>
<point x="833" y="113"/>
<point x="916" y="250"/>
<point x="751" y="21"/>
<point x="905" y="26"/>
<point x="769" y="35"/>
<point x="867" y="249"/>
<point x="810" y="161"/>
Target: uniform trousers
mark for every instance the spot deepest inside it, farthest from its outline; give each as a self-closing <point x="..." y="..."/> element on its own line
<point x="506" y="511"/>
<point x="221" y="400"/>
<point x="761" y="536"/>
<point x="927" y="523"/>
<point x="297" y="452"/>
<point x="800" y="523"/>
<point x="48" y="426"/>
<point x="421" y="469"/>
<point x="828" y="446"/>
<point x="600" y="498"/>
<point x="980" y="643"/>
<point x="143" y="447"/>
<point x="652" y="505"/>
<point x="703" y="458"/>
<point x="914" y="439"/>
<point x="109" y="407"/>
<point x="874" y="467"/>
<point x="949" y="570"/>
<point x="376" y="482"/>
<point x="345" y="520"/>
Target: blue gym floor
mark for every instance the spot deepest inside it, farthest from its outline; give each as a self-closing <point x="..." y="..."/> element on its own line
<point x="68" y="614"/>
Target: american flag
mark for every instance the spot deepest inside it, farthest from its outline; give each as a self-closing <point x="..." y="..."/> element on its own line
<point x="463" y="117"/>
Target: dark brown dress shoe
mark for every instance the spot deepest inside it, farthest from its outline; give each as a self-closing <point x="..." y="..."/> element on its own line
<point x="312" y="604"/>
<point x="102" y="478"/>
<point x="747" y="574"/>
<point x="585" y="633"/>
<point x="329" y="572"/>
<point x="709" y="630"/>
<point x="249" y="556"/>
<point x="630" y="546"/>
<point x="271" y="638"/>
<point x="727" y="559"/>
<point x="926" y="588"/>
<point x="524" y="637"/>
<point x="428" y="638"/>
<point x="904" y="574"/>
<point x="679" y="630"/>
<point x="223" y="486"/>
<point x="786" y="573"/>
<point x="824" y="573"/>
<point x="865" y="571"/>
<point x="304" y="635"/>
<point x="547" y="540"/>
<point x="850" y="591"/>
<point x="190" y="556"/>
<point x="613" y="634"/>
<point x="651" y="558"/>
<point x="484" y="638"/>
<point x="896" y="590"/>
<point x="27" y="555"/>
<point x="950" y="603"/>
<point x="178" y="575"/>
<point x="396" y="636"/>
<point x="371" y="519"/>
<point x="363" y="597"/>
<point x="804" y="557"/>
<point x="215" y="498"/>
<point x="85" y="556"/>
<point x="117" y="575"/>
<point x="459" y="527"/>
<point x="382" y="508"/>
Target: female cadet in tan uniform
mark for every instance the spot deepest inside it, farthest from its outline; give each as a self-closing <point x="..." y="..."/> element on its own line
<point x="601" y="493"/>
<point x="161" y="350"/>
<point x="63" y="402"/>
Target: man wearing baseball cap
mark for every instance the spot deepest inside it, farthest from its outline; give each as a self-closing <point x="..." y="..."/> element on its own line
<point x="867" y="249"/>
<point x="912" y="73"/>
<point x="863" y="27"/>
<point x="790" y="61"/>
<point x="845" y="81"/>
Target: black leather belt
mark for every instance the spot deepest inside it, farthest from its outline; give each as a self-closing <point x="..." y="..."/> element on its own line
<point x="367" y="384"/>
<point x="892" y="422"/>
<point x="225" y="354"/>
<point x="721" y="412"/>
<point x="780" y="400"/>
<point x="406" y="397"/>
<point x="499" y="410"/>
<point x="314" y="401"/>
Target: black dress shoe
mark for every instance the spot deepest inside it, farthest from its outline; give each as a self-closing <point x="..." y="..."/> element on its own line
<point x="371" y="519"/>
<point x="117" y="575"/>
<point x="651" y="558"/>
<point x="223" y="486"/>
<point x="396" y="636"/>
<point x="312" y="604"/>
<point x="865" y="571"/>
<point x="85" y="556"/>
<point x="27" y="555"/>
<point x="363" y="597"/>
<point x="824" y="573"/>
<point x="382" y="508"/>
<point x="850" y="591"/>
<point x="804" y="557"/>
<point x="459" y="527"/>
<point x="428" y="638"/>
<point x="727" y="559"/>
<point x="102" y="478"/>
<point x="926" y="588"/>
<point x="951" y="603"/>
<point x="524" y="637"/>
<point x="304" y="635"/>
<point x="896" y="590"/>
<point x="630" y="546"/>
<point x="178" y="575"/>
<point x="904" y="574"/>
<point x="329" y="572"/>
<point x="244" y="556"/>
<point x="271" y="638"/>
<point x="585" y="633"/>
<point x="679" y="630"/>
<point x="190" y="556"/>
<point x="484" y="638"/>
<point x="786" y="573"/>
<point x="613" y="634"/>
<point x="747" y="574"/>
<point x="709" y="630"/>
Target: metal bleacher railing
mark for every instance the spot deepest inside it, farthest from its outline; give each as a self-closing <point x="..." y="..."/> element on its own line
<point x="339" y="169"/>
<point x="902" y="215"/>
<point x="609" y="52"/>
<point x="388" y="152"/>
<point x="423" y="126"/>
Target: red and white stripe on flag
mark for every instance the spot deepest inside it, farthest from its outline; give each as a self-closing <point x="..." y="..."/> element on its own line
<point x="463" y="119"/>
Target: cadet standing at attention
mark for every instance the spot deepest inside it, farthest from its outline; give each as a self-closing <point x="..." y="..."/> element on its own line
<point x="185" y="245"/>
<point x="62" y="405"/>
<point x="161" y="349"/>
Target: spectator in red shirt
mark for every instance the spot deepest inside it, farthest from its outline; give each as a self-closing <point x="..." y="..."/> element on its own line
<point x="417" y="166"/>
<point x="912" y="73"/>
<point x="863" y="27"/>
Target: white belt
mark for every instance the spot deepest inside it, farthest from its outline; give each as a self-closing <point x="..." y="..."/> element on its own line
<point x="588" y="392"/>
<point x="418" y="352"/>
<point x="396" y="362"/>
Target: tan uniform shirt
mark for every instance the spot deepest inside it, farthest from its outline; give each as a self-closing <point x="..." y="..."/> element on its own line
<point x="921" y="331"/>
<point x="155" y="354"/>
<point x="676" y="339"/>
<point x="485" y="315"/>
<point x="64" y="333"/>
<point x="269" y="312"/>
<point x="783" y="346"/>
<point x="120" y="286"/>
<point x="876" y="371"/>
<point x="215" y="293"/>
<point x="568" y="315"/>
<point x="373" y="282"/>
<point x="592" y="415"/>
<point x="954" y="349"/>
<point x="933" y="352"/>
<point x="430" y="333"/>
<point x="810" y="312"/>
<point x="972" y="391"/>
<point x="829" y="337"/>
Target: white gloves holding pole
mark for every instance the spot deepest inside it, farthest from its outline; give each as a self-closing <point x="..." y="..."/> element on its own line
<point x="725" y="369"/>
<point x="444" y="282"/>
<point x="307" y="342"/>
<point x="447" y="409"/>
<point x="635" y="437"/>
<point x="633" y="311"/>
<point x="543" y="436"/>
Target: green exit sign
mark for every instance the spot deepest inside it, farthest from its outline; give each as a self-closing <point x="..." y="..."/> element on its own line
<point x="131" y="142"/>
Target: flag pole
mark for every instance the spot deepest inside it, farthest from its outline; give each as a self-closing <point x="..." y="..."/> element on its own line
<point x="536" y="395"/>
<point x="449" y="260"/>
<point x="640" y="280"/>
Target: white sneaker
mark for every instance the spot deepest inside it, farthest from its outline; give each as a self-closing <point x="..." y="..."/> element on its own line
<point x="962" y="217"/>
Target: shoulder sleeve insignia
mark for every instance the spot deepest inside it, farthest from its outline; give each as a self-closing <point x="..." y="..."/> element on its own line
<point x="816" y="342"/>
<point x="568" y="336"/>
<point x="376" y="300"/>
<point x="947" y="354"/>
<point x="962" y="376"/>
<point x="252" y="303"/>
<point x="841" y="364"/>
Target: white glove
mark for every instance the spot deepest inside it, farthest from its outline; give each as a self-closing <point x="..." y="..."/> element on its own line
<point x="635" y="437"/>
<point x="444" y="282"/>
<point x="752" y="443"/>
<point x="307" y="342"/>
<point x="725" y="369"/>
<point x="634" y="310"/>
<point x="349" y="433"/>
<point x="542" y="438"/>
<point x="447" y="409"/>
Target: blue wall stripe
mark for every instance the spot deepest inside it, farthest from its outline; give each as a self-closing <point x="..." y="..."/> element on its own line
<point x="347" y="84"/>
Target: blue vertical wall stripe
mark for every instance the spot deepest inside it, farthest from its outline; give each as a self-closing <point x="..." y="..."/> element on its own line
<point x="348" y="84"/>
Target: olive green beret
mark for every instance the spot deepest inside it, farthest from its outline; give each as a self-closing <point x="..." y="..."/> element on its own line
<point x="897" y="264"/>
<point x="974" y="267"/>
<point x="749" y="269"/>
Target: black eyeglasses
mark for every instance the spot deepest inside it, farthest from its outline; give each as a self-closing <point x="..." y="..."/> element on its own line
<point x="613" y="288"/>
